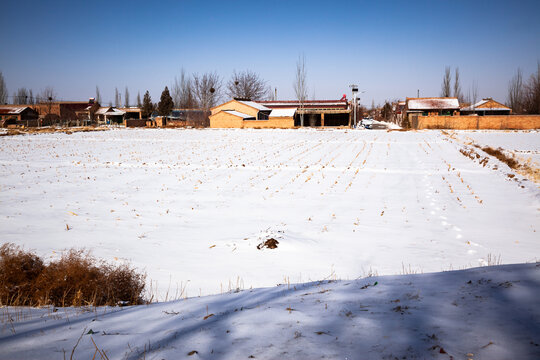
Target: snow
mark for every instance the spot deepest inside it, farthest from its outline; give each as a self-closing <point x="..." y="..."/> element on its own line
<point x="239" y="114"/>
<point x="523" y="144"/>
<point x="282" y="112"/>
<point x="481" y="313"/>
<point x="255" y="105"/>
<point x="189" y="207"/>
<point x="432" y="103"/>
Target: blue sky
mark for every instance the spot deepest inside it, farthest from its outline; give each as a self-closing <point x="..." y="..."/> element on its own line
<point x="389" y="48"/>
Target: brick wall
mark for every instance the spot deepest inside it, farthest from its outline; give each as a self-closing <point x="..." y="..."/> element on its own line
<point x="495" y="122"/>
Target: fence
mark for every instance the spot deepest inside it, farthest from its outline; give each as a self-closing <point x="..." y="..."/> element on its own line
<point x="471" y="122"/>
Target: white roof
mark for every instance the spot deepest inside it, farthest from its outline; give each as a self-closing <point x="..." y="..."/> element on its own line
<point x="282" y="112"/>
<point x="15" y="110"/>
<point x="255" y="105"/>
<point x="433" y="103"/>
<point x="480" y="103"/>
<point x="237" y="113"/>
<point x="307" y="103"/>
<point x="115" y="112"/>
<point x="109" y="111"/>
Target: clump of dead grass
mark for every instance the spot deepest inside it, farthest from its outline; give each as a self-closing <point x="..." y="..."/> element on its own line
<point x="76" y="279"/>
<point x="501" y="156"/>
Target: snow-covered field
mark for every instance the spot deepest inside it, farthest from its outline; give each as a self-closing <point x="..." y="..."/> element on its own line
<point x="523" y="144"/>
<point x="484" y="313"/>
<point x="189" y="207"/>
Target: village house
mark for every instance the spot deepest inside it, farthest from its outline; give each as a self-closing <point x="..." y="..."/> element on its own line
<point x="242" y="113"/>
<point x="239" y="113"/>
<point x="430" y="106"/>
<point x="14" y="115"/>
<point x="486" y="106"/>
<point x="109" y="115"/>
<point x="316" y="112"/>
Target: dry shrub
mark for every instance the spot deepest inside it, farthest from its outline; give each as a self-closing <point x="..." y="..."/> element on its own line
<point x="76" y="279"/>
<point x="18" y="273"/>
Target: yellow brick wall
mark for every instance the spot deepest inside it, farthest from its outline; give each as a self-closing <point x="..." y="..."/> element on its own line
<point x="236" y="106"/>
<point x="224" y="120"/>
<point x="276" y="122"/>
<point x="496" y="122"/>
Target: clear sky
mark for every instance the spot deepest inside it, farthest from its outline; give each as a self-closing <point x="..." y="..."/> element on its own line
<point x="389" y="48"/>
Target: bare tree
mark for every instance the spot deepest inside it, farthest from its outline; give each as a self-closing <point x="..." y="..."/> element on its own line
<point x="182" y="92"/>
<point x="207" y="89"/>
<point x="531" y="97"/>
<point x="474" y="92"/>
<point x="139" y="103"/>
<point x="98" y="95"/>
<point x="447" y="80"/>
<point x="47" y="95"/>
<point x="20" y="97"/>
<point x="117" y="98"/>
<point x="31" y="100"/>
<point x="3" y="90"/>
<point x="457" y="86"/>
<point x="300" y="85"/>
<point x="247" y="84"/>
<point x="126" y="97"/>
<point x="515" y="92"/>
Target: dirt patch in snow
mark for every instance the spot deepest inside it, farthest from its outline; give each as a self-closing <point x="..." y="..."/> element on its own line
<point x="269" y="243"/>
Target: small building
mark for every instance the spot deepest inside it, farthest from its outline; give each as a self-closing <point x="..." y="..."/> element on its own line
<point x="239" y="113"/>
<point x="132" y="112"/>
<point x="430" y="106"/>
<point x="316" y="112"/>
<point x="18" y="116"/>
<point x="109" y="115"/>
<point x="486" y="106"/>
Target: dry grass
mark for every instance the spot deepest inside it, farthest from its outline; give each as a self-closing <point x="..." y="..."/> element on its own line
<point x="499" y="154"/>
<point x="76" y="279"/>
<point x="48" y="130"/>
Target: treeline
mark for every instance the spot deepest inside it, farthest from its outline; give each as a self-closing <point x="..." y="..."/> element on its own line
<point x="524" y="95"/>
<point x="188" y="91"/>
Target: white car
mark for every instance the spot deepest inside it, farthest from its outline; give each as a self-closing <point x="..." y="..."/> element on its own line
<point x="367" y="123"/>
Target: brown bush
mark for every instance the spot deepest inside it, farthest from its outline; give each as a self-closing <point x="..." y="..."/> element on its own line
<point x="18" y="273"/>
<point x="76" y="279"/>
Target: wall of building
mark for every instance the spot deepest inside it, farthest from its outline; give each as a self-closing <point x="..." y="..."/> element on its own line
<point x="496" y="122"/>
<point x="135" y="122"/>
<point x="236" y="106"/>
<point x="275" y="122"/>
<point x="225" y="120"/>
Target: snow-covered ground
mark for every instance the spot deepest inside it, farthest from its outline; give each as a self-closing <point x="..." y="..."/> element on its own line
<point x="189" y="207"/>
<point x="482" y="313"/>
<point x="523" y="144"/>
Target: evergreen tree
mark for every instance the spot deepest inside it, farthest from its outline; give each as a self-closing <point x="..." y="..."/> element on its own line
<point x="166" y="103"/>
<point x="147" y="106"/>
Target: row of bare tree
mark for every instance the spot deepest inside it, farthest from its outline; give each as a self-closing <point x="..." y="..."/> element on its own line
<point x="524" y="96"/>
<point x="447" y="90"/>
<point x="25" y="96"/>
<point x="206" y="90"/>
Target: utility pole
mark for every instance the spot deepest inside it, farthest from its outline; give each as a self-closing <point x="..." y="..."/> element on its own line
<point x="354" y="99"/>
